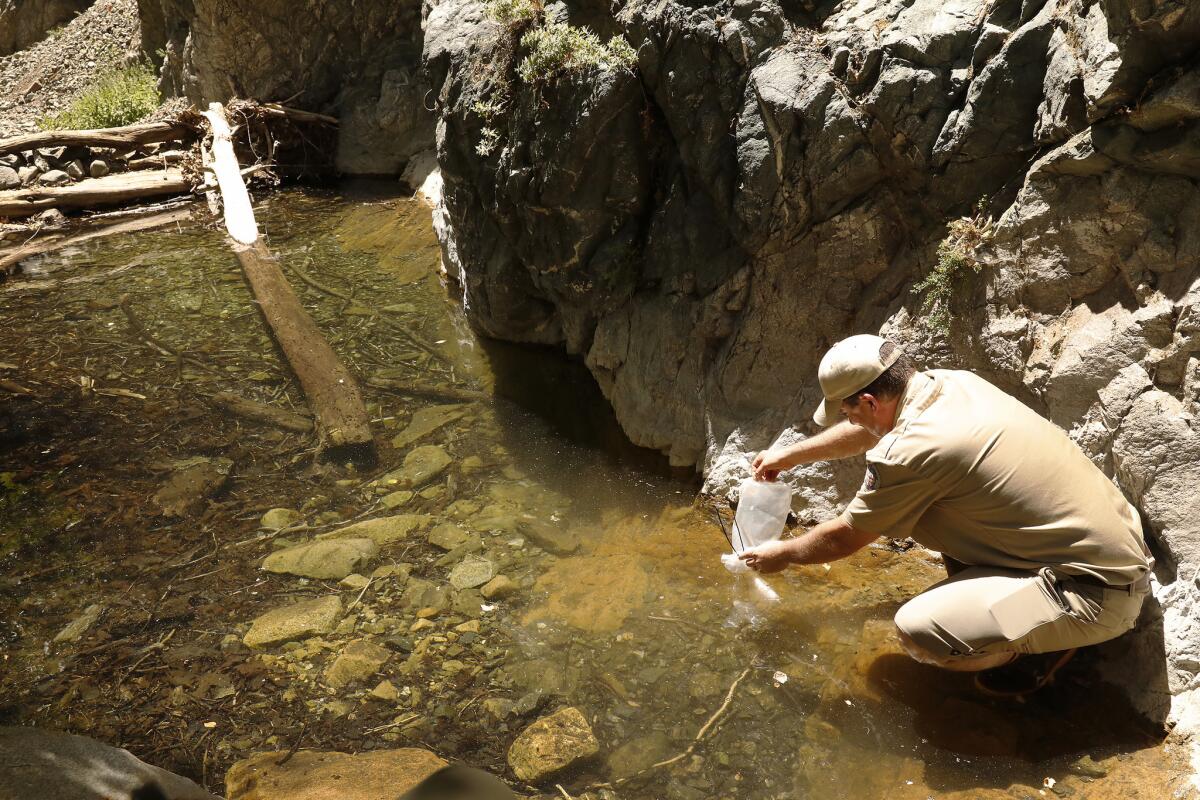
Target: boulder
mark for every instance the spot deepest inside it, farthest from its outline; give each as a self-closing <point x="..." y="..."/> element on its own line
<point x="552" y="744"/>
<point x="317" y="775"/>
<point x="383" y="531"/>
<point x="357" y="662"/>
<point x="9" y="178"/>
<point x="38" y="763"/>
<point x="296" y="621"/>
<point x="331" y="559"/>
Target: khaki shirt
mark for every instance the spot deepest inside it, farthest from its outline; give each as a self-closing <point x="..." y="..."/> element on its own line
<point x="974" y="473"/>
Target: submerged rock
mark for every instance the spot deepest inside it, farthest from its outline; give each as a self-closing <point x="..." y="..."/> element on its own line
<point x="315" y="775"/>
<point x="296" y="621"/>
<point x="448" y="536"/>
<point x="426" y="421"/>
<point x="192" y="481"/>
<point x="552" y="744"/>
<point x="499" y="587"/>
<point x="421" y="465"/>
<point x="472" y="572"/>
<point x="384" y="530"/>
<point x="360" y="660"/>
<point x="332" y="559"/>
<point x="279" y="518"/>
<point x="36" y="763"/>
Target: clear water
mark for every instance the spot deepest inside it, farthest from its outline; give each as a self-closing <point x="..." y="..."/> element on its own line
<point x="640" y="628"/>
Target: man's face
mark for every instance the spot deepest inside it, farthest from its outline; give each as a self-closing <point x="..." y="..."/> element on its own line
<point x="866" y="414"/>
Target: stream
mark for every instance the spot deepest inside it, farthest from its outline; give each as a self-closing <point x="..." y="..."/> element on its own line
<point x="616" y="602"/>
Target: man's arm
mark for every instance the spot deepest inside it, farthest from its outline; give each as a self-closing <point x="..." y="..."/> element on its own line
<point x="841" y="441"/>
<point x="827" y="542"/>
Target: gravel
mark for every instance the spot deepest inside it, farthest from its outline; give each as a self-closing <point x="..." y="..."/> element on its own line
<point x="45" y="77"/>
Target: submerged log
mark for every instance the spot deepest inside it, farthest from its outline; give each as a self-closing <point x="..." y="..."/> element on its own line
<point x="343" y="426"/>
<point x="128" y="136"/>
<point x="258" y="412"/>
<point x="92" y="192"/>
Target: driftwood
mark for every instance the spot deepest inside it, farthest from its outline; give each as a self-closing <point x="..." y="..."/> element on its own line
<point x="259" y="412"/>
<point x="125" y="137"/>
<point x="92" y="192"/>
<point x="9" y="259"/>
<point x="447" y="394"/>
<point x="342" y="424"/>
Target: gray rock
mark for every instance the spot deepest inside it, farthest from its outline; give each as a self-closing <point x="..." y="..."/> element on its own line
<point x="47" y="764"/>
<point x="472" y="572"/>
<point x="296" y="621"/>
<point x="331" y="559"/>
<point x="54" y="177"/>
<point x="28" y="174"/>
<point x="98" y="168"/>
<point x="9" y="178"/>
<point x="552" y="744"/>
<point x="75" y="170"/>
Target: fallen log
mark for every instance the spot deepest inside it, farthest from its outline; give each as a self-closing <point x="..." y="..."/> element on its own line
<point x="342" y="424"/>
<point x="109" y="190"/>
<point x="9" y="259"/>
<point x="258" y="412"/>
<point x="446" y="394"/>
<point x="125" y="137"/>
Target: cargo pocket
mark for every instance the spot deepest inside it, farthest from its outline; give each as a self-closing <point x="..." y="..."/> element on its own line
<point x="1083" y="602"/>
<point x="1033" y="604"/>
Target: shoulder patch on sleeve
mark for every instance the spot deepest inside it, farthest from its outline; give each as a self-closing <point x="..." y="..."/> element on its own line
<point x="871" y="479"/>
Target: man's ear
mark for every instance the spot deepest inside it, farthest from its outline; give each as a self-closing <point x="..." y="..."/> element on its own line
<point x="870" y="399"/>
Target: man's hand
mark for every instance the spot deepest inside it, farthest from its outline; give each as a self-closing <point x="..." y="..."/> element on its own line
<point x="769" y="557"/>
<point x="768" y="464"/>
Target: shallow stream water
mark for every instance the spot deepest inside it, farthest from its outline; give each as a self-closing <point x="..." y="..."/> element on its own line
<point x="621" y="607"/>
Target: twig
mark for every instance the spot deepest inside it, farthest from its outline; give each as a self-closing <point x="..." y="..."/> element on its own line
<point x="295" y="746"/>
<point x="302" y="275"/>
<point x="564" y="791"/>
<point x="395" y="724"/>
<point x="360" y="594"/>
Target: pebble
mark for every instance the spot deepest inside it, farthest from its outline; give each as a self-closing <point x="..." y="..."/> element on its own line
<point x="55" y="177"/>
<point x="354" y="581"/>
<point x="278" y="518"/>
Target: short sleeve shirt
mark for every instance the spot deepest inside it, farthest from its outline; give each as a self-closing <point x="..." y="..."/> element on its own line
<point x="974" y="473"/>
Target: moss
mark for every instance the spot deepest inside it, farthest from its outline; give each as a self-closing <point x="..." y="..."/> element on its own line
<point x="120" y="97"/>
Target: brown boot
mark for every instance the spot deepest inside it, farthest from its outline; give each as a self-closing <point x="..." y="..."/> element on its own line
<point x="1024" y="676"/>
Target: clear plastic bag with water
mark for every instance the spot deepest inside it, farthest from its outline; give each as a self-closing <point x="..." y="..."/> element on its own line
<point x="762" y="510"/>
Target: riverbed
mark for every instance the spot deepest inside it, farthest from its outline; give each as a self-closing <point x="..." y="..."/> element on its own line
<point x="617" y="603"/>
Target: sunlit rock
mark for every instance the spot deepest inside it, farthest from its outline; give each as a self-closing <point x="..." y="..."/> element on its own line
<point x="384" y="530"/>
<point x="315" y="775"/>
<point x="552" y="744"/>
<point x="331" y="559"/>
<point x="296" y="621"/>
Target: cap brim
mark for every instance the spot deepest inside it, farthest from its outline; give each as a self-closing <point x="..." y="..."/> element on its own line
<point x="827" y="413"/>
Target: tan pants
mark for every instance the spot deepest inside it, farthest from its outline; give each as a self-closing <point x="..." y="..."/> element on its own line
<point x="983" y="610"/>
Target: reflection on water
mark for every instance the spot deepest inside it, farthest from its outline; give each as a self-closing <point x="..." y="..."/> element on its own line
<point x="619" y="606"/>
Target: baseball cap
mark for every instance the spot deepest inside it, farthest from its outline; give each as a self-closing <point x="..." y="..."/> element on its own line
<point x="849" y="367"/>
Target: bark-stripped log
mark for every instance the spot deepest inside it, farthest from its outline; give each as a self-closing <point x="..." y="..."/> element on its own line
<point x="125" y="137"/>
<point x="92" y="192"/>
<point x="342" y="424"/>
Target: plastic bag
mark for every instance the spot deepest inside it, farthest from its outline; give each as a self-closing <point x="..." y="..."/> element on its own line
<point x="761" y="513"/>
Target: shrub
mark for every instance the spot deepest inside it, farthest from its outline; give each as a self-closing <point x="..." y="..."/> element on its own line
<point x="120" y="97"/>
<point x="557" y="48"/>
<point x="955" y="255"/>
<point x="511" y="12"/>
<point x="489" y="140"/>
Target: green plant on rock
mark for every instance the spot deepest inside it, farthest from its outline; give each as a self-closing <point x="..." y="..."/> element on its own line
<point x="120" y="97"/>
<point x="955" y="256"/>
<point x="512" y="12"/>
<point x="557" y="48"/>
<point x="489" y="140"/>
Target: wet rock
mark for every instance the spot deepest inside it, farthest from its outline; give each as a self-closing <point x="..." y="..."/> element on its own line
<point x="297" y="621"/>
<point x="472" y="572"/>
<point x="192" y="482"/>
<point x="448" y="536"/>
<point x="386" y="691"/>
<point x="54" y="177"/>
<point x="396" y="573"/>
<point x="396" y="499"/>
<point x="355" y="581"/>
<point x="332" y="559"/>
<point x="360" y="660"/>
<point x="279" y="518"/>
<point x="38" y="763"/>
<point x="498" y="588"/>
<point x="313" y="775"/>
<point x="427" y="420"/>
<point x="551" y="537"/>
<point x="98" y="168"/>
<point x="9" y="179"/>
<point x="421" y="594"/>
<point x="639" y="754"/>
<point x="421" y="465"/>
<point x="80" y="625"/>
<point x="552" y="744"/>
<point x="467" y="602"/>
<point x="382" y="531"/>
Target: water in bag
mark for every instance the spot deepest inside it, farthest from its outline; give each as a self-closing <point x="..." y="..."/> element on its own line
<point x="762" y="510"/>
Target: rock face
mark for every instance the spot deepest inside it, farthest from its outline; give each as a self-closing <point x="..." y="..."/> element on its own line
<point x="42" y="763"/>
<point x="359" y="61"/>
<point x="311" y="775"/>
<point x="22" y="23"/>
<point x="552" y="744"/>
<point x="773" y="177"/>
